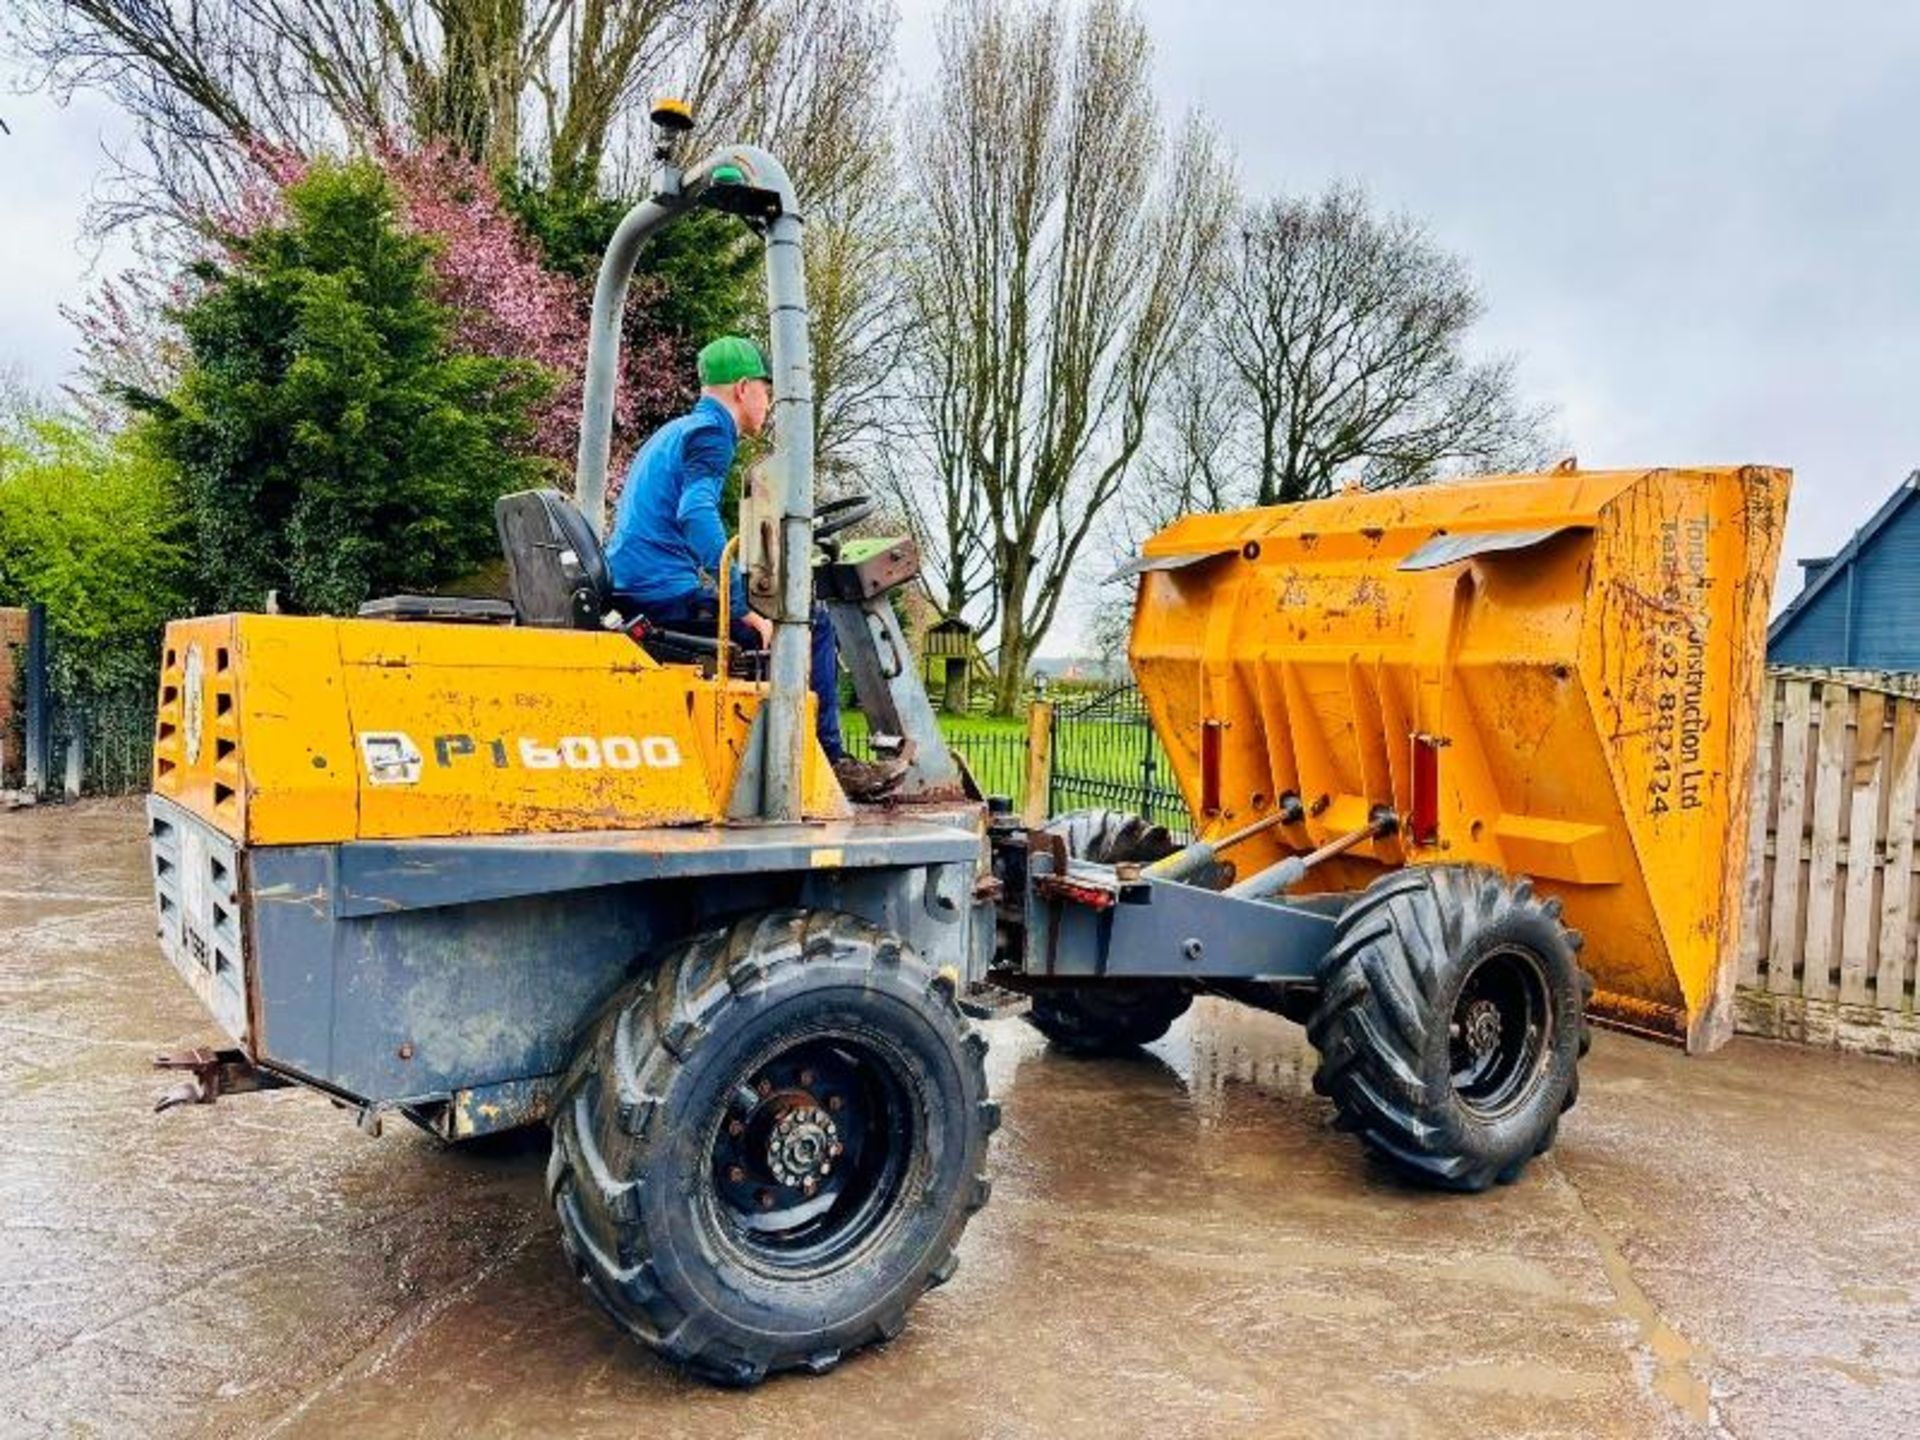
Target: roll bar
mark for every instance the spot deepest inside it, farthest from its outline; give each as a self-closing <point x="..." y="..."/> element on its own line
<point x="748" y="182"/>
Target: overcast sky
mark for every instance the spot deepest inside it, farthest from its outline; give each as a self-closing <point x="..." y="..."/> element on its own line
<point x="1696" y="223"/>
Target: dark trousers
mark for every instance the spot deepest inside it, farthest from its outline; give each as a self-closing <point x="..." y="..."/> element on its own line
<point x="698" y="614"/>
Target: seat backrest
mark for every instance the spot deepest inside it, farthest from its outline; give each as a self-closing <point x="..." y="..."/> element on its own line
<point x="555" y="565"/>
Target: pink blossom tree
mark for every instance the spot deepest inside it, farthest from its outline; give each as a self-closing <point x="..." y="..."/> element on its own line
<point x="509" y="305"/>
<point x="506" y="303"/>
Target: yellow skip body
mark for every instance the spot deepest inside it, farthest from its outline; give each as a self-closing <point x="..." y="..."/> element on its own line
<point x="1578" y="655"/>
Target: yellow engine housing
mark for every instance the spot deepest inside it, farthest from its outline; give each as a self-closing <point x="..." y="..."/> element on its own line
<point x="283" y="730"/>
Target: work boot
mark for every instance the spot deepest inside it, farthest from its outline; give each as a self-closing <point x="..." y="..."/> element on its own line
<point x="868" y="779"/>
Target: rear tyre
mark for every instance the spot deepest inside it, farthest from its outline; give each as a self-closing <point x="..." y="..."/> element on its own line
<point x="766" y="1151"/>
<point x="1103" y="1019"/>
<point x="1450" y="1024"/>
<point x="1100" y="1020"/>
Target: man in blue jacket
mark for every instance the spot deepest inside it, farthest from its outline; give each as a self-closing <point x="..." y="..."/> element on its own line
<point x="668" y="537"/>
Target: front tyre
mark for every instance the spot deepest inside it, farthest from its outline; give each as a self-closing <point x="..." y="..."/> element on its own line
<point x="767" y="1149"/>
<point x="1450" y="1023"/>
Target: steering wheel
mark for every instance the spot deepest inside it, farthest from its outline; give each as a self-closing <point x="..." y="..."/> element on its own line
<point x="842" y="514"/>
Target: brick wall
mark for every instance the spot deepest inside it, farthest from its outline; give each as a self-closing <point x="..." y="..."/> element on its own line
<point x="13" y="656"/>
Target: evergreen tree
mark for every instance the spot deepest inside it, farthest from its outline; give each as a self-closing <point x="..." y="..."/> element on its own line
<point x="332" y="442"/>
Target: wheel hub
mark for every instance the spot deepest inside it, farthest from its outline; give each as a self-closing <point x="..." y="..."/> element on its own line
<point x="1482" y="1027"/>
<point x="808" y="1153"/>
<point x="803" y="1146"/>
<point x="1501" y="1031"/>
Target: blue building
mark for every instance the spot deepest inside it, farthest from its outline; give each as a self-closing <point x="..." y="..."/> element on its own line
<point x="1860" y="608"/>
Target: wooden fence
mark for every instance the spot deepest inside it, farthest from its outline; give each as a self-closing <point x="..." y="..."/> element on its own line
<point x="1831" y="904"/>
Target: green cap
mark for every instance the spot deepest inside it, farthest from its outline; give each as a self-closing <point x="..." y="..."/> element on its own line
<point x="731" y="358"/>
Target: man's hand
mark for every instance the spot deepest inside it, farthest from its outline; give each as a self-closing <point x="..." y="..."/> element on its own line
<point x="760" y="626"/>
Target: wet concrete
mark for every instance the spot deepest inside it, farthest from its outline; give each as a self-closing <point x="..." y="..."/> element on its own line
<point x="1177" y="1245"/>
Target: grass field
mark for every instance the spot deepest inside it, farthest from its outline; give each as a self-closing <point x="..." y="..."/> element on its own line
<point x="1097" y="763"/>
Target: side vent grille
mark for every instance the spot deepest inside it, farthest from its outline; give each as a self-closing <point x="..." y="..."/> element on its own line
<point x="168" y="746"/>
<point x="164" y="842"/>
<point x="223" y="725"/>
<point x="196" y="729"/>
<point x="196" y="887"/>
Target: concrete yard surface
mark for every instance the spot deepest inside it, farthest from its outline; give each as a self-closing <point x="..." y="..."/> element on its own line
<point x="1178" y="1244"/>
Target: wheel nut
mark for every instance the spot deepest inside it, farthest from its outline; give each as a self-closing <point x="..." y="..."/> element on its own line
<point x="833" y="1150"/>
<point x="736" y="1174"/>
<point x="834" y="1102"/>
<point x="764" y="1089"/>
<point x="825" y="1168"/>
<point x="806" y="1077"/>
<point x="766" y="1199"/>
<point x="736" y="1127"/>
<point x="809" y="1185"/>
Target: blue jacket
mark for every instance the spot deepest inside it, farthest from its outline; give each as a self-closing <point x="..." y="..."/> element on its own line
<point x="667" y="534"/>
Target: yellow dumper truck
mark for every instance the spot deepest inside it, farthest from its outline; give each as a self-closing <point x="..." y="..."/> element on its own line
<point x="482" y="864"/>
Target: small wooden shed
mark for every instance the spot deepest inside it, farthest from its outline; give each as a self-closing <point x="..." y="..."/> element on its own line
<point x="951" y="652"/>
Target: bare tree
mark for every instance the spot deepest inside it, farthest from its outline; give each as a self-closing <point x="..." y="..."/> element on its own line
<point x="1053" y="268"/>
<point x="1108" y="632"/>
<point x="554" y="85"/>
<point x="1343" y="336"/>
<point x="814" y="82"/>
<point x="928" y="478"/>
<point x="203" y="83"/>
<point x="18" y="398"/>
<point x="1189" y="461"/>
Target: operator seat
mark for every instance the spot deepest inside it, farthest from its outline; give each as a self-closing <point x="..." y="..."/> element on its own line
<point x="556" y="569"/>
<point x="558" y="575"/>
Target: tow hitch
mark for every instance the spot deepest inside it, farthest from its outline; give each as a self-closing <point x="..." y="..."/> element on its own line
<point x="211" y="1074"/>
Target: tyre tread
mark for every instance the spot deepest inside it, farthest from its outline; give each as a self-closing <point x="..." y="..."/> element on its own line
<point x="1381" y="983"/>
<point x="615" y="1089"/>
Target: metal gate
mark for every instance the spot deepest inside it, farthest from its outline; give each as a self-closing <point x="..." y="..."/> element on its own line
<point x="114" y="734"/>
<point x="53" y="742"/>
<point x="1106" y="755"/>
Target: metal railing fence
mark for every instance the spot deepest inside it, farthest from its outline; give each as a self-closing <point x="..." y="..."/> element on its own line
<point x="1106" y="755"/>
